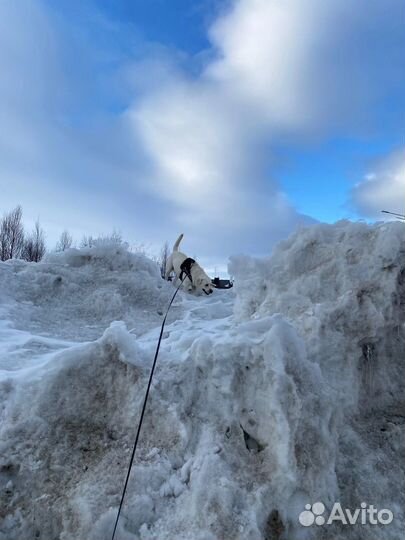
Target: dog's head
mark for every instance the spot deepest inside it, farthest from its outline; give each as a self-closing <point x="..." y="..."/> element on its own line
<point x="204" y="283"/>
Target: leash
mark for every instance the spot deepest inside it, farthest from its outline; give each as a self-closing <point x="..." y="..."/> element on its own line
<point x="144" y="407"/>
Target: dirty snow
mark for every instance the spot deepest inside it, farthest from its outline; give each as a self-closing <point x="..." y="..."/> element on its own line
<point x="284" y="391"/>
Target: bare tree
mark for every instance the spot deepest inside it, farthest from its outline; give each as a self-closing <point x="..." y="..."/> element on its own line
<point x="164" y="255"/>
<point x="115" y="237"/>
<point x="11" y="235"/>
<point x="104" y="240"/>
<point x="87" y="241"/>
<point x="65" y="241"/>
<point x="34" y="245"/>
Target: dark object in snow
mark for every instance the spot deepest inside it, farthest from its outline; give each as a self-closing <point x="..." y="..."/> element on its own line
<point x="222" y="283"/>
<point x="251" y="443"/>
<point x="274" y="527"/>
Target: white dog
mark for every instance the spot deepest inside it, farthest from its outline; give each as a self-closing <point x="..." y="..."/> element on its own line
<point x="183" y="265"/>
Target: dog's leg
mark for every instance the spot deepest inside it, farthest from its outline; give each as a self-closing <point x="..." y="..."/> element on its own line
<point x="169" y="268"/>
<point x="188" y="285"/>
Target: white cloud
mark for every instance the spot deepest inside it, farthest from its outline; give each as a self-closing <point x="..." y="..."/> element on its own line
<point x="191" y="139"/>
<point x="296" y="67"/>
<point x="383" y="188"/>
<point x="264" y="48"/>
<point x="204" y="159"/>
<point x="307" y="64"/>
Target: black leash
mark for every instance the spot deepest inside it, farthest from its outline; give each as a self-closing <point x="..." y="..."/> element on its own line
<point x="144" y="407"/>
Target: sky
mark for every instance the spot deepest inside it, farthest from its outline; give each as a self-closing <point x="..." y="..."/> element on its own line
<point x="233" y="121"/>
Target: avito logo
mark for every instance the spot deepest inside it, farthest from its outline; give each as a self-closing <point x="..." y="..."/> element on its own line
<point x="363" y="515"/>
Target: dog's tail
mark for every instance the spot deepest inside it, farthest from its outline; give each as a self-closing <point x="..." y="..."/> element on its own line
<point x="177" y="243"/>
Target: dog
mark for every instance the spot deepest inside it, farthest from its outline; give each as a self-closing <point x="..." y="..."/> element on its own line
<point x="180" y="264"/>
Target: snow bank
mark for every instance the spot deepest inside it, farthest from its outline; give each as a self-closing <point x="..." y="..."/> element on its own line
<point x="342" y="287"/>
<point x="58" y="424"/>
<point x="341" y="291"/>
<point x="75" y="294"/>
<point x="286" y="394"/>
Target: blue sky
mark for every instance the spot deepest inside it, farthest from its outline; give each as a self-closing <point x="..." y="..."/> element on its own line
<point x="234" y="122"/>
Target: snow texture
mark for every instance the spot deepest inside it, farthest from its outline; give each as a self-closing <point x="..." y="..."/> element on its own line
<point x="284" y="391"/>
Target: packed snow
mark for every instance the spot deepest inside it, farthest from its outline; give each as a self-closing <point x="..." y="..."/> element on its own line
<point x="284" y="391"/>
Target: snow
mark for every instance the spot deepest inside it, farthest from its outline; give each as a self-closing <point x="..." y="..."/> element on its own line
<point x="283" y="391"/>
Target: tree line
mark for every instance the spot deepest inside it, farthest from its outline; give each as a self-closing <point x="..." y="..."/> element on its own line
<point x="16" y="243"/>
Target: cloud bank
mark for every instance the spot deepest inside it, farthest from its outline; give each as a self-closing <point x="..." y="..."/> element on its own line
<point x="154" y="142"/>
<point x="277" y="69"/>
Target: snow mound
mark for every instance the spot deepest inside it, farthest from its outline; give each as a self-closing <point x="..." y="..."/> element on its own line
<point x="111" y="256"/>
<point x="284" y="392"/>
<point x="63" y="419"/>
<point x="84" y="289"/>
<point x="342" y="287"/>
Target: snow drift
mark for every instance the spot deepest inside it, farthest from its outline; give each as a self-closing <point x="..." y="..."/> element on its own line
<point x="78" y="292"/>
<point x="285" y="391"/>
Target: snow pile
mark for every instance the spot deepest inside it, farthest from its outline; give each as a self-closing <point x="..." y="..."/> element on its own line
<point x="285" y="394"/>
<point x="75" y="294"/>
<point x="340" y="291"/>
